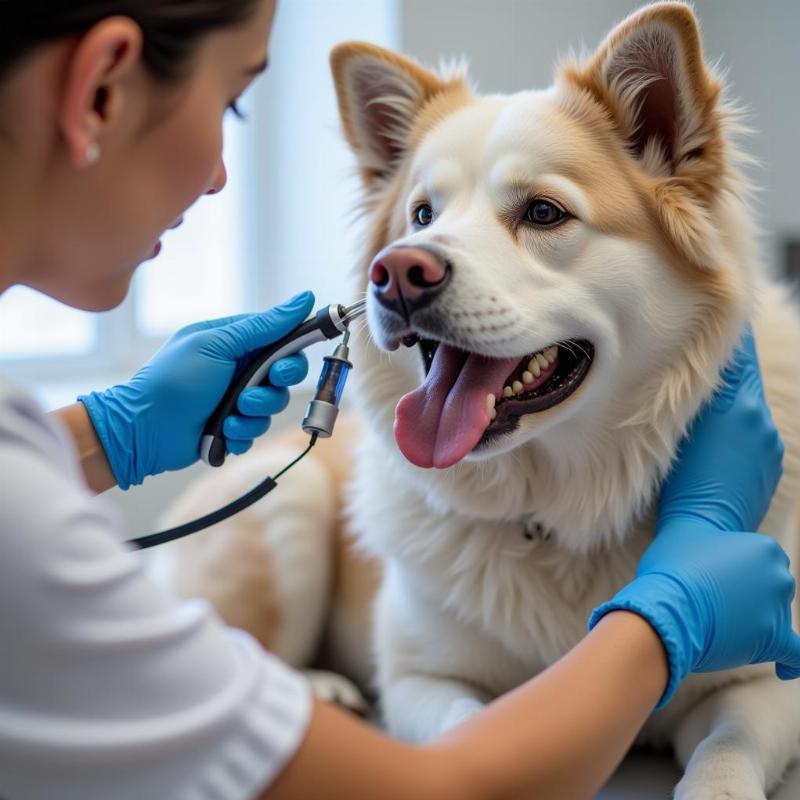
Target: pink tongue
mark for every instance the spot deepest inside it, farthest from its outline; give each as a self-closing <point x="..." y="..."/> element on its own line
<point x="442" y="421"/>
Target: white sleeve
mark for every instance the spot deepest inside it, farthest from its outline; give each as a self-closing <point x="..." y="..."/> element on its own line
<point x="109" y="687"/>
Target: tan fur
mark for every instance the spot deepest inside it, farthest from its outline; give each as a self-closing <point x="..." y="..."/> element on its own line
<point x="673" y="198"/>
<point x="249" y="576"/>
<point x="233" y="564"/>
<point x="435" y="99"/>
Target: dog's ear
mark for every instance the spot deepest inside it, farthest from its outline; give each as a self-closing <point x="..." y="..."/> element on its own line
<point x="650" y="76"/>
<point x="380" y="94"/>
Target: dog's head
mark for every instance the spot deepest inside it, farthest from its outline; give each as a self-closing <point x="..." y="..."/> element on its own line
<point x="555" y="274"/>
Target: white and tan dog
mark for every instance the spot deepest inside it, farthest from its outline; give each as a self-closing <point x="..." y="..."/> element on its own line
<point x="555" y="280"/>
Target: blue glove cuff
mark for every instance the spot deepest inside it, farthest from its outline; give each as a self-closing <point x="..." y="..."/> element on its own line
<point x="660" y="600"/>
<point x="120" y="454"/>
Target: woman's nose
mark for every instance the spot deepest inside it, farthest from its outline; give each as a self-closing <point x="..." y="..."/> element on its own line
<point x="220" y="179"/>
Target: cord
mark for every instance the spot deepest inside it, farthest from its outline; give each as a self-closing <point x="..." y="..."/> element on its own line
<point x="253" y="496"/>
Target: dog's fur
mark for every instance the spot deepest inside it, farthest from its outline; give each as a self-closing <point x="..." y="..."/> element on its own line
<point x="658" y="269"/>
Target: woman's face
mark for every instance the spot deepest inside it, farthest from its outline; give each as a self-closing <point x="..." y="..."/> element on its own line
<point x="100" y="222"/>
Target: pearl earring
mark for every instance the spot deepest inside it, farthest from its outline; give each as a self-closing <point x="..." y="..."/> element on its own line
<point x="92" y="153"/>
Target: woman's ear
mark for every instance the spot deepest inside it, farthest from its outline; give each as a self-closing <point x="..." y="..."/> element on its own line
<point x="94" y="86"/>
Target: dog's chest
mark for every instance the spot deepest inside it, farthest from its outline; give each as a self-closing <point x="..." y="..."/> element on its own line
<point x="508" y="582"/>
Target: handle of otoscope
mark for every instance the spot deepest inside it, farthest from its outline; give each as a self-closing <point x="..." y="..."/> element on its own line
<point x="256" y="373"/>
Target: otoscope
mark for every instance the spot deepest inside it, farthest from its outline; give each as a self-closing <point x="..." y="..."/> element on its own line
<point x="330" y="322"/>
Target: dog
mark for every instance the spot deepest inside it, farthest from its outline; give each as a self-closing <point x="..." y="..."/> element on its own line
<point x="555" y="280"/>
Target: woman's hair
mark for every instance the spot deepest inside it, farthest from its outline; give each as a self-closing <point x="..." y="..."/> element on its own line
<point x="172" y="28"/>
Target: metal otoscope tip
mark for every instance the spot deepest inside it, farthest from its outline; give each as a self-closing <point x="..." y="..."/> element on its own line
<point x="354" y="311"/>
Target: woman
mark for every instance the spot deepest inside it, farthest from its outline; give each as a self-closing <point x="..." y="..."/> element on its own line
<point x="110" y="128"/>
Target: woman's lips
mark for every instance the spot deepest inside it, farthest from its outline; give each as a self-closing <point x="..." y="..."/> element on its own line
<point x="157" y="249"/>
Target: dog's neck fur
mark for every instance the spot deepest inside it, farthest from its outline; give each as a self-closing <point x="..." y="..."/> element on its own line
<point x="589" y="479"/>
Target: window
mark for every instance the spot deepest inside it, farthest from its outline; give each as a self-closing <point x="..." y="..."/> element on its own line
<point x="199" y="274"/>
<point x="59" y="330"/>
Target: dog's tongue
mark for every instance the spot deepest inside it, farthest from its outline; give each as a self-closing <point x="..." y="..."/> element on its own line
<point x="439" y="423"/>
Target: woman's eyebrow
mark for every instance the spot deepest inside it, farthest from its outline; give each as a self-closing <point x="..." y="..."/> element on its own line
<point x="258" y="68"/>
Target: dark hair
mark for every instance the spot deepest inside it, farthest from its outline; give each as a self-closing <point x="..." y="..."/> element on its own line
<point x="172" y="28"/>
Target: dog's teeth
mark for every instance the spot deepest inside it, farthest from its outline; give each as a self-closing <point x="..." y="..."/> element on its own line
<point x="527" y="377"/>
<point x="493" y="414"/>
<point x="517" y="387"/>
<point x="491" y="400"/>
<point x="543" y="363"/>
<point x="533" y="366"/>
<point x="551" y="353"/>
<point x="508" y="391"/>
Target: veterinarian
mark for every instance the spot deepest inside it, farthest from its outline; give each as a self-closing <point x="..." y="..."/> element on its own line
<point x="110" y="128"/>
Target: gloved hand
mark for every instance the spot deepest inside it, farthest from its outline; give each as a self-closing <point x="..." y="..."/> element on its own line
<point x="729" y="465"/>
<point x="719" y="598"/>
<point x="154" y="423"/>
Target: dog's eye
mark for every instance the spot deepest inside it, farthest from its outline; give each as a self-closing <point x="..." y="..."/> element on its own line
<point x="544" y="213"/>
<point x="424" y="215"/>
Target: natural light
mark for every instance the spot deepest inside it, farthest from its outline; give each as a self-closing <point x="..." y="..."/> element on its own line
<point x="198" y="274"/>
<point x="58" y="330"/>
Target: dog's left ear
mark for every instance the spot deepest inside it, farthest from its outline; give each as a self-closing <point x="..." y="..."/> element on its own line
<point x="650" y="76"/>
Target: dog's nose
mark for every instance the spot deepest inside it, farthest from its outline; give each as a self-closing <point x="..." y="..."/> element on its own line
<point x="407" y="278"/>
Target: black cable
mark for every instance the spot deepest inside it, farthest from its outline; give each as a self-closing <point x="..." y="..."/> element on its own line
<point x="253" y="496"/>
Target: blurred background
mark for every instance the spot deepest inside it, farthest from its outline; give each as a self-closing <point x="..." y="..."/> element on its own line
<point x="286" y="222"/>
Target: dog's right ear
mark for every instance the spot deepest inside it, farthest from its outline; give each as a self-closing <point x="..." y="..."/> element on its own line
<point x="380" y="95"/>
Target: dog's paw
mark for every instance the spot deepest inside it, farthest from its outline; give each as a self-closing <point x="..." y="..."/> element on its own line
<point x="723" y="767"/>
<point x="333" y="688"/>
<point x="733" y="780"/>
<point x="740" y="787"/>
<point x="707" y="793"/>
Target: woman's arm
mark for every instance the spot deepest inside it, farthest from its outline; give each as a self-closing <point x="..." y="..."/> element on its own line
<point x="558" y="736"/>
<point x="96" y="469"/>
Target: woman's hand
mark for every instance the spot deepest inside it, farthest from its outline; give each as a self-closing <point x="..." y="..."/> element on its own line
<point x="718" y="597"/>
<point x="155" y="422"/>
<point x="729" y="464"/>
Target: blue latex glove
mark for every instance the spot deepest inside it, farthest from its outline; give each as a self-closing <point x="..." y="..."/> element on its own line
<point x="729" y="465"/>
<point x="154" y="423"/>
<point x="719" y="597"/>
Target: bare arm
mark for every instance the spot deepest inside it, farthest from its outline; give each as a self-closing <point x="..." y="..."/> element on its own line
<point x="585" y="710"/>
<point x="94" y="463"/>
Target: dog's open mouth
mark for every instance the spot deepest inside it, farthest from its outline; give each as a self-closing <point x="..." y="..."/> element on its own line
<point x="468" y="399"/>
